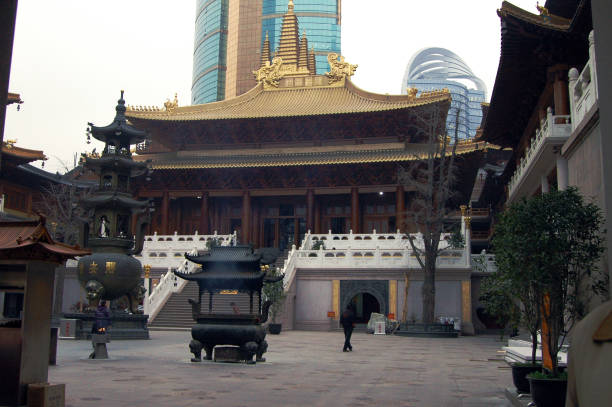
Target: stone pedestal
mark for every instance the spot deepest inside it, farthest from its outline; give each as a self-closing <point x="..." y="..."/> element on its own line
<point x="99" y="342"/>
<point x="46" y="395"/>
<point x="123" y="326"/>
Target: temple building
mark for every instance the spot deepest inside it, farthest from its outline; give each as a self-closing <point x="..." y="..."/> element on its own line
<point x="546" y="102"/>
<point x="298" y="152"/>
<point x="299" y="162"/>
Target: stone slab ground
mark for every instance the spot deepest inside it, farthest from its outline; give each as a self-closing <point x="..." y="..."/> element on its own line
<point x="302" y="369"/>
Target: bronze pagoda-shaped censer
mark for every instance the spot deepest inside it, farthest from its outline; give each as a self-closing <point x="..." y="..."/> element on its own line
<point x="111" y="272"/>
<point x="229" y="308"/>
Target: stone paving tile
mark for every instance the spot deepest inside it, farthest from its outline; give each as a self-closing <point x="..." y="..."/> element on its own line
<point x="302" y="369"/>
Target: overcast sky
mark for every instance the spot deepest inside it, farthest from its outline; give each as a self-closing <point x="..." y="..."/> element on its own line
<point x="72" y="57"/>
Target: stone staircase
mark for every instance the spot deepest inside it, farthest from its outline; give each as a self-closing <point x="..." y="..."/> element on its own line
<point x="176" y="313"/>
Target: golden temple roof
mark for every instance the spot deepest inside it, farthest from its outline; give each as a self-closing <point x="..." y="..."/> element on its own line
<point x="295" y="96"/>
<point x="300" y="156"/>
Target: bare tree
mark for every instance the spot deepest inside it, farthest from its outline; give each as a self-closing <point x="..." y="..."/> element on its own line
<point x="431" y="176"/>
<point x="59" y="202"/>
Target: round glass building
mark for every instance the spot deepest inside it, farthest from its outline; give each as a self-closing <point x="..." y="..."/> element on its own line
<point x="438" y="68"/>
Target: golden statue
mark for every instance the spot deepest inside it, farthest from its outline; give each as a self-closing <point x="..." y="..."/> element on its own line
<point x="270" y="74"/>
<point x="543" y="10"/>
<point x="339" y="69"/>
<point x="10" y="143"/>
<point x="170" y="106"/>
<point x="412" y="93"/>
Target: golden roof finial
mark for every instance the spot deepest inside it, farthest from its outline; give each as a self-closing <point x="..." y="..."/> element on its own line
<point x="543" y="10"/>
<point x="290" y="5"/>
<point x="312" y="62"/>
<point x="265" y="52"/>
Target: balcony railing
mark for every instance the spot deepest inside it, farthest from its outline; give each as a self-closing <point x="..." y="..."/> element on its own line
<point x="554" y="129"/>
<point x="583" y="87"/>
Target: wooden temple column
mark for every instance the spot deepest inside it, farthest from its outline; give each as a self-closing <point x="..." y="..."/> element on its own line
<point x="310" y="206"/>
<point x="164" y="213"/>
<point x="317" y="218"/>
<point x="246" y="218"/>
<point x="204" y="226"/>
<point x="400" y="208"/>
<point x="560" y="89"/>
<point x="355" y="210"/>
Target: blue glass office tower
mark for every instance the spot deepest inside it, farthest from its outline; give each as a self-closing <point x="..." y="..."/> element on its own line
<point x="229" y="35"/>
<point x="209" y="51"/>
<point x="320" y="19"/>
<point x="438" y="68"/>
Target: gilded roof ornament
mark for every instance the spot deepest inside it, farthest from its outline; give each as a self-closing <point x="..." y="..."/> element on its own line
<point x="543" y="10"/>
<point x="339" y="69"/>
<point x="170" y="106"/>
<point x="270" y="74"/>
<point x="10" y="143"/>
<point x="412" y="93"/>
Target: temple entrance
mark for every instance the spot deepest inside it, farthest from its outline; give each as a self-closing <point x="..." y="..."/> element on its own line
<point x="365" y="304"/>
<point x="284" y="224"/>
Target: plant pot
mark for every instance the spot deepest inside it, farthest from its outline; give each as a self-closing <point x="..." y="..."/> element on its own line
<point x="548" y="392"/>
<point x="275" y="329"/>
<point x="519" y="375"/>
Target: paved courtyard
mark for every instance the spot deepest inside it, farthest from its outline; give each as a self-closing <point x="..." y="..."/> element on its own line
<point x="303" y="369"/>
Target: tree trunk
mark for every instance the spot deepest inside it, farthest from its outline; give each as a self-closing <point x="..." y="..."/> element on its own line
<point x="429" y="290"/>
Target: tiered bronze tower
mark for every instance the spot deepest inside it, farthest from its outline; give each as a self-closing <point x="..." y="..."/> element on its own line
<point x="110" y="272"/>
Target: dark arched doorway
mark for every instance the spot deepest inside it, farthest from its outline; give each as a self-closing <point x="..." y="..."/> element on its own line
<point x="365" y="304"/>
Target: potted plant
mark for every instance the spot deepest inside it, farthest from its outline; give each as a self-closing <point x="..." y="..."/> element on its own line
<point x="515" y="248"/>
<point x="570" y="245"/>
<point x="275" y="293"/>
<point x="564" y="246"/>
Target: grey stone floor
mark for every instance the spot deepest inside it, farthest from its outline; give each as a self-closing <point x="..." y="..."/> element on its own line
<point x="303" y="369"/>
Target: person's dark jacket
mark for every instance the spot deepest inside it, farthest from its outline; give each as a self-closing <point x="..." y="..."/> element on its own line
<point x="347" y="319"/>
<point x="102" y="317"/>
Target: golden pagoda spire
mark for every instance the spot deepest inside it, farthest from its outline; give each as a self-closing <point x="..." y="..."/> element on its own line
<point x="265" y="52"/>
<point x="303" y="53"/>
<point x="312" y="62"/>
<point x="288" y="46"/>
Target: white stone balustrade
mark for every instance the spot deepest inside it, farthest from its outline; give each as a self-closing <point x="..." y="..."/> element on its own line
<point x="366" y="251"/>
<point x="583" y="91"/>
<point x="168" y="250"/>
<point x="484" y="263"/>
<point x="365" y="240"/>
<point x="168" y="283"/>
<point x="553" y="129"/>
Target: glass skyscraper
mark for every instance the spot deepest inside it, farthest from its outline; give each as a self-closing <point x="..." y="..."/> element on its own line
<point x="438" y="68"/>
<point x="209" y="51"/>
<point x="229" y="35"/>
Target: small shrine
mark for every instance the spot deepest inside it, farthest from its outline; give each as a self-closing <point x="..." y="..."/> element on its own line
<point x="28" y="258"/>
<point x="229" y="309"/>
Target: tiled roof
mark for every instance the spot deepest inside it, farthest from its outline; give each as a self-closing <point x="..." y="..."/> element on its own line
<point x="552" y="21"/>
<point x="351" y="154"/>
<point x="33" y="236"/>
<point x="22" y="154"/>
<point x="292" y="100"/>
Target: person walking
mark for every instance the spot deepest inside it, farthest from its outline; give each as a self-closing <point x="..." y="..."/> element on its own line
<point x="347" y="320"/>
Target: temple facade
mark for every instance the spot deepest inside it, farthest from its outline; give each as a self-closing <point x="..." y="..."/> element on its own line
<point x="298" y="152"/>
<point x="308" y="164"/>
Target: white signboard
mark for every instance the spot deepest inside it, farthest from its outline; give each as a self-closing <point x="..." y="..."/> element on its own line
<point x="379" y="328"/>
